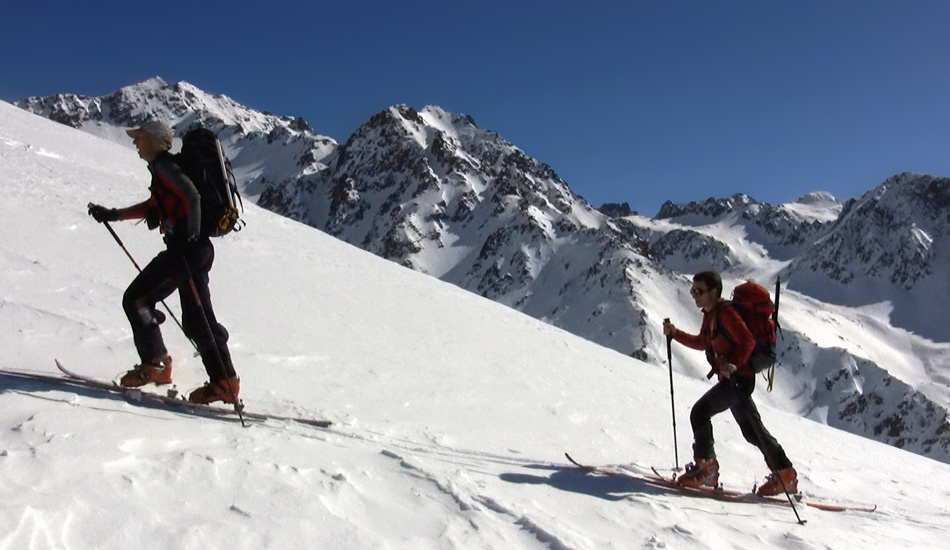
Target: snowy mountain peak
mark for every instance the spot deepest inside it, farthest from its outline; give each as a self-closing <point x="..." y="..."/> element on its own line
<point x="180" y="104"/>
<point x="708" y="209"/>
<point x="265" y="149"/>
<point x="818" y="206"/>
<point x="784" y="231"/>
<point x="438" y="117"/>
<point x="156" y="83"/>
<point x="816" y="198"/>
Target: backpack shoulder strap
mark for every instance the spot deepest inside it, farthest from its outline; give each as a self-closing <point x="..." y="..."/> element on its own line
<point x="719" y="328"/>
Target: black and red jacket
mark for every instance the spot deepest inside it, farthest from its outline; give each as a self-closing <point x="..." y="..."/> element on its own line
<point x="174" y="206"/>
<point x="720" y="348"/>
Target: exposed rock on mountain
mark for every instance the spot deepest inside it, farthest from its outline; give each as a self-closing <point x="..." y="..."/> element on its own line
<point x="891" y="244"/>
<point x="432" y="191"/>
<point x="784" y="230"/>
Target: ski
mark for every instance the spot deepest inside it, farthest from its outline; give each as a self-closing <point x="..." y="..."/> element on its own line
<point x="137" y="395"/>
<point x="752" y="497"/>
<point x="608" y="471"/>
<point x="657" y="479"/>
<point x="653" y="480"/>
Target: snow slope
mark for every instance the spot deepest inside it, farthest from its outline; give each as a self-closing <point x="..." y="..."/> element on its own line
<point x="451" y="411"/>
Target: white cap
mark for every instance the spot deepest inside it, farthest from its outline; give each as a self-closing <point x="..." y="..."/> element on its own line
<point x="158" y="130"/>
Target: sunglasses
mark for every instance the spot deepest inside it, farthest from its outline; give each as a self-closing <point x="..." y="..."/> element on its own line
<point x="698" y="291"/>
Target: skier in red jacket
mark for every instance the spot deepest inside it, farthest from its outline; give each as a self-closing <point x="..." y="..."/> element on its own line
<point x="733" y="391"/>
<point x="175" y="208"/>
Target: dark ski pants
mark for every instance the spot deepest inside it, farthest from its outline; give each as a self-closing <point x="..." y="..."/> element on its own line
<point x="168" y="272"/>
<point x="726" y="396"/>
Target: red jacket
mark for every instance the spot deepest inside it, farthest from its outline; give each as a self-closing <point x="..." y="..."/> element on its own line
<point x="175" y="203"/>
<point x="718" y="348"/>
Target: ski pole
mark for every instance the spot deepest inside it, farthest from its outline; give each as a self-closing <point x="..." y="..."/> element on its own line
<point x="669" y="361"/>
<point x="758" y="435"/>
<point x="136" y="264"/>
<point x="217" y="352"/>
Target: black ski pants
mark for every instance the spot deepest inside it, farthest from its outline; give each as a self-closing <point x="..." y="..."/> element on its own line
<point x="167" y="272"/>
<point x="735" y="397"/>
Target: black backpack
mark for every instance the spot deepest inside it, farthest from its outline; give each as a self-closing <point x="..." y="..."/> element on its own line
<point x="202" y="159"/>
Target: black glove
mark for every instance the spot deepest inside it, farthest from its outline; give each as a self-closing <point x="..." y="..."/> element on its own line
<point x="103" y="214"/>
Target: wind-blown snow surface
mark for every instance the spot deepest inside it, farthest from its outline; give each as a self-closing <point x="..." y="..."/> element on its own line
<point x="451" y="412"/>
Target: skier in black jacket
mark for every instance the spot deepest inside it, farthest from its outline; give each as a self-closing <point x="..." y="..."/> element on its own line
<point x="175" y="208"/>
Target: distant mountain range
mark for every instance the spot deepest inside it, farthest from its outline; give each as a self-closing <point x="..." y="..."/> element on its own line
<point x="866" y="333"/>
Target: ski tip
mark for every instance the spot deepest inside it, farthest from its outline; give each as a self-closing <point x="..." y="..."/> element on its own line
<point x="63" y="369"/>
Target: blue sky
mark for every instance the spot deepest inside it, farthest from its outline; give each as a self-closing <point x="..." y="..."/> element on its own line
<point x="636" y="101"/>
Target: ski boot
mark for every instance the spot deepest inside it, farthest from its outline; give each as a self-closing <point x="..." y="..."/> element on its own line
<point x="157" y="371"/>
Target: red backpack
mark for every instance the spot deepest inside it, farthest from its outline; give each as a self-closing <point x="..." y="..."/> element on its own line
<point x="754" y="304"/>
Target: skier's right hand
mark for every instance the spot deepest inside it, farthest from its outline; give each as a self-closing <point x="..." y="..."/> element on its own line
<point x="668" y="327"/>
<point x="726" y="370"/>
<point x="103" y="214"/>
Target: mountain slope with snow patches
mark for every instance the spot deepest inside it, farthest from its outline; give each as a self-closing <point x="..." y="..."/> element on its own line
<point x="265" y="149"/>
<point x="893" y="243"/>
